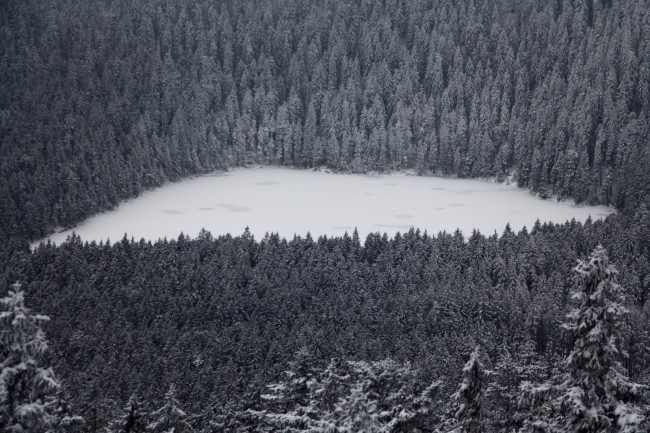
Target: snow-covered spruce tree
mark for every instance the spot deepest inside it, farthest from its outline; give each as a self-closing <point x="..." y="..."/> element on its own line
<point x="535" y="408"/>
<point x="596" y="392"/>
<point x="65" y="419"/>
<point x="170" y="418"/>
<point x="27" y="390"/>
<point x="401" y="402"/>
<point x="354" y="413"/>
<point x="502" y="409"/>
<point x="470" y="396"/>
<point x="344" y="396"/>
<point x="291" y="403"/>
<point x="132" y="420"/>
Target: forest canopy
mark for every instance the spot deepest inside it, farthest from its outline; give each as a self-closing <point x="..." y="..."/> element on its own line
<point x="220" y="318"/>
<point x="102" y="100"/>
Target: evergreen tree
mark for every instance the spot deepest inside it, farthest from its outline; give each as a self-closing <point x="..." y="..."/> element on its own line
<point x="27" y="390"/>
<point x="170" y="418"/>
<point x="276" y="295"/>
<point x="354" y="413"/>
<point x="502" y="395"/>
<point x="132" y="420"/>
<point x="470" y="396"/>
<point x="289" y="404"/>
<point x="65" y="419"/>
<point x="596" y="392"/>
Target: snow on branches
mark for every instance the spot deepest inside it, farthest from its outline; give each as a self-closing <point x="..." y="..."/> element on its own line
<point x="27" y="390"/>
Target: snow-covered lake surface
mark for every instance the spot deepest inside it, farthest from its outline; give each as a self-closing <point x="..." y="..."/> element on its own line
<point x="291" y="202"/>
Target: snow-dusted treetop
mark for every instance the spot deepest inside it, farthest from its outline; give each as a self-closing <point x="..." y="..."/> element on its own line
<point x="26" y="388"/>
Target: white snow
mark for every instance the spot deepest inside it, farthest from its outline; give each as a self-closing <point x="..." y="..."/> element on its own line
<point x="288" y="201"/>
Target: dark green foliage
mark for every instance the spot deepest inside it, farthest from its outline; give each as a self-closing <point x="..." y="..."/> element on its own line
<point x="471" y="396"/>
<point x="170" y="418"/>
<point x="27" y="390"/>
<point x="223" y="317"/>
<point x="515" y="365"/>
<point x="354" y="396"/>
<point x="100" y="101"/>
<point x="133" y="418"/>
<point x="596" y="393"/>
<point x="593" y="394"/>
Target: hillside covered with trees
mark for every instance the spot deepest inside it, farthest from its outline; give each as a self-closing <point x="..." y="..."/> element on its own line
<point x="102" y="100"/>
<point x="220" y="318"/>
<point x="422" y="332"/>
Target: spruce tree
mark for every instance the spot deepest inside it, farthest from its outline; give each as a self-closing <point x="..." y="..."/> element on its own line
<point x="132" y="420"/>
<point x="356" y="412"/>
<point x="170" y="418"/>
<point x="289" y="403"/>
<point x="27" y="390"/>
<point x="470" y="396"/>
<point x="502" y="403"/>
<point x="595" y="394"/>
<point x="65" y="419"/>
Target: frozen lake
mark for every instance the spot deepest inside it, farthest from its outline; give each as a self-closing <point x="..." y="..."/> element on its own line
<point x="290" y="201"/>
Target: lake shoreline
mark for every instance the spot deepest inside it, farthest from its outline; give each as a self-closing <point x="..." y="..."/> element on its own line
<point x="370" y="202"/>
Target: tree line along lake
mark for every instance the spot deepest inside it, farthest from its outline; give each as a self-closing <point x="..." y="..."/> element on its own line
<point x="296" y="202"/>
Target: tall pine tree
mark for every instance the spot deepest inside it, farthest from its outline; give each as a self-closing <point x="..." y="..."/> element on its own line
<point x="596" y="392"/>
<point x="132" y="419"/>
<point x="27" y="390"/>
<point x="470" y="396"/>
<point x="170" y="418"/>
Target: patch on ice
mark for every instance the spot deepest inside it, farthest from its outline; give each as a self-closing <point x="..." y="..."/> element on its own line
<point x="173" y="211"/>
<point x="404" y="215"/>
<point x="234" y="208"/>
<point x="267" y="182"/>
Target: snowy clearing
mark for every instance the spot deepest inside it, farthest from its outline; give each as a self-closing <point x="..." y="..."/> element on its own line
<point x="291" y="202"/>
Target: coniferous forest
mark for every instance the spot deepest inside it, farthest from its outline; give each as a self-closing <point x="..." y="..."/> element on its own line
<point x="420" y="332"/>
<point x="103" y="99"/>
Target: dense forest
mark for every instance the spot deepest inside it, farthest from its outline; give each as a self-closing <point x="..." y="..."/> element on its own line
<point x="422" y="332"/>
<point x="219" y="318"/>
<point x="100" y="100"/>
